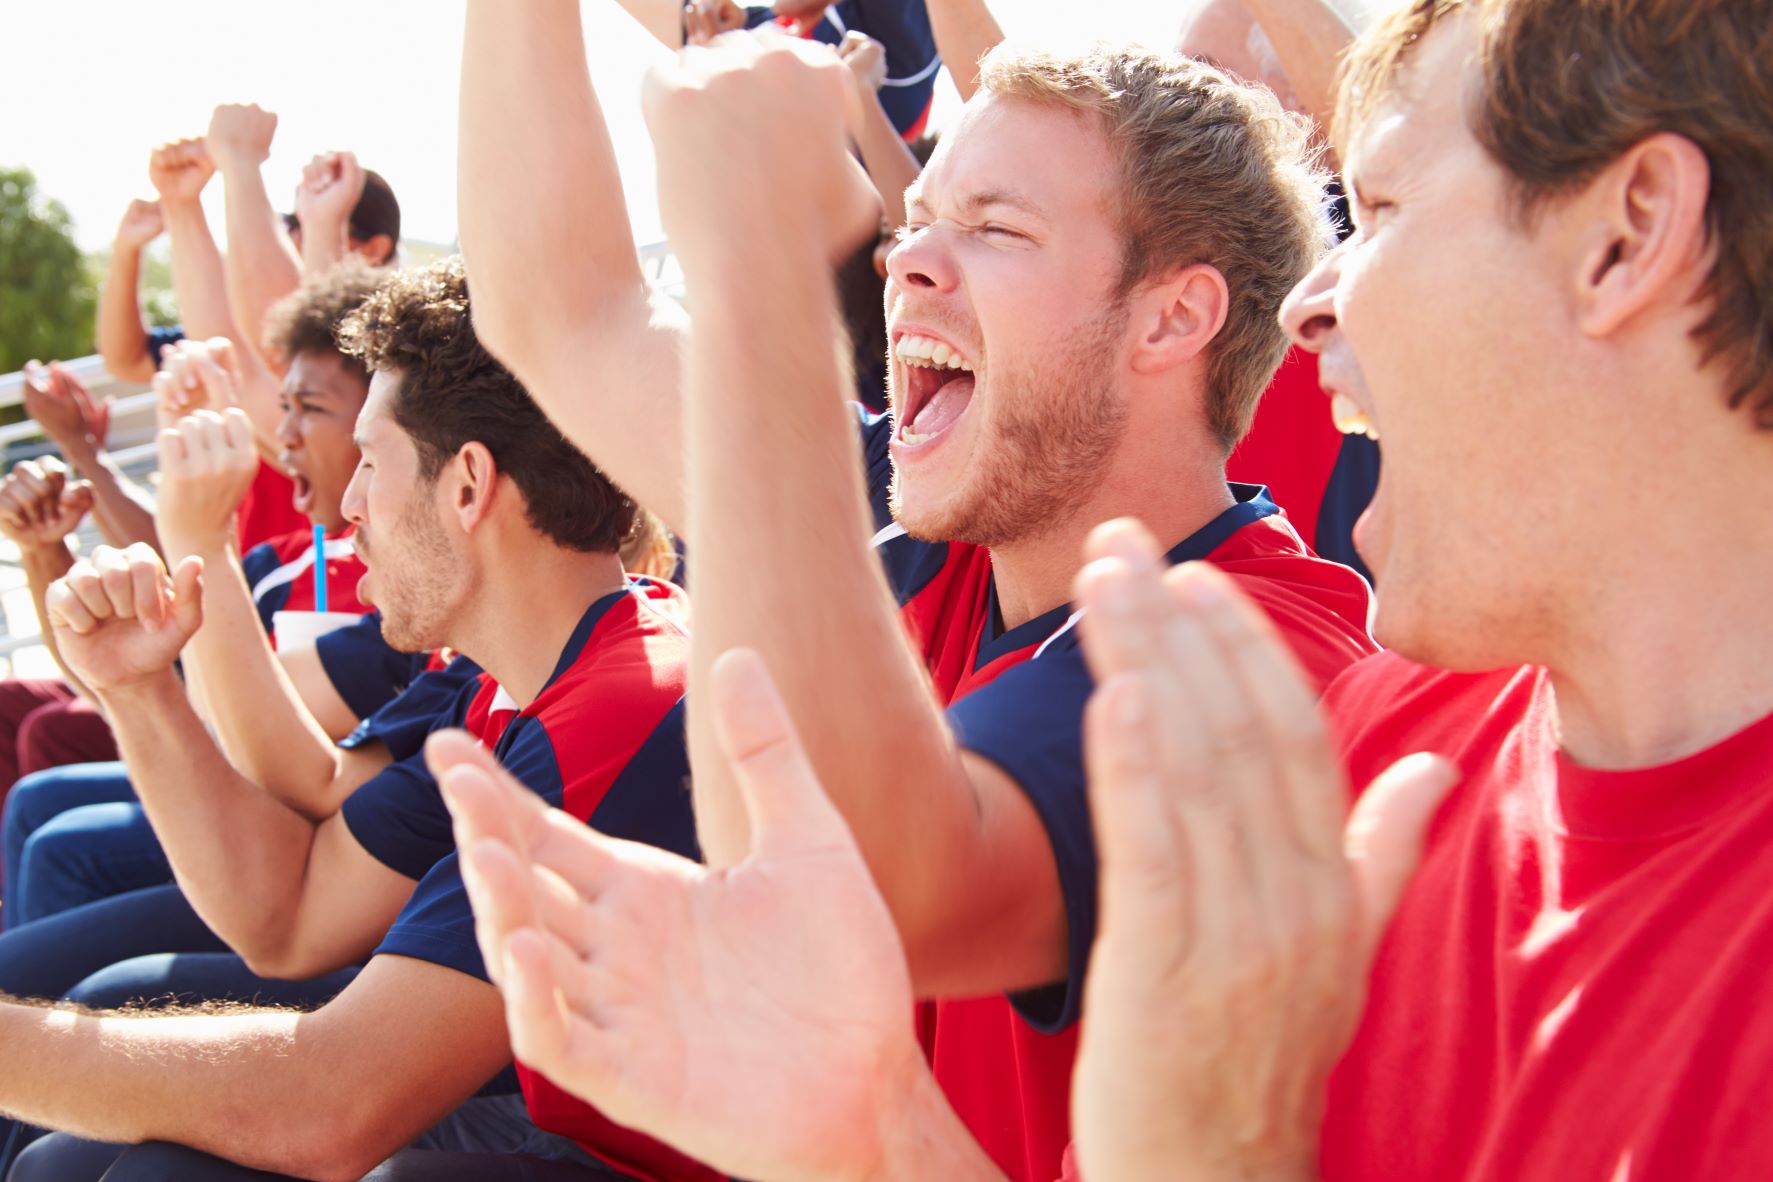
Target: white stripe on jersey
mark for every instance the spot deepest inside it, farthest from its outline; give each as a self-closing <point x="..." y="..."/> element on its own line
<point x="895" y="530"/>
<point x="290" y="571"/>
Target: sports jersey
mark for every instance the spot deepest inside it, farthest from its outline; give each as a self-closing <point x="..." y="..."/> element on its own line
<point x="1575" y="984"/>
<point x="1017" y="698"/>
<point x="604" y="740"/>
<point x="364" y="669"/>
<point x="267" y="511"/>
<point x="1321" y="478"/>
<point x="903" y="29"/>
<point x="281" y="575"/>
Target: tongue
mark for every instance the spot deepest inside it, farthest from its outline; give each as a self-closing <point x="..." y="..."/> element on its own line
<point x="946" y="405"/>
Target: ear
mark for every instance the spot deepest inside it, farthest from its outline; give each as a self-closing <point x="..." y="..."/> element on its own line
<point x="1649" y="244"/>
<point x="376" y="249"/>
<point x="474" y="480"/>
<point x="1176" y="318"/>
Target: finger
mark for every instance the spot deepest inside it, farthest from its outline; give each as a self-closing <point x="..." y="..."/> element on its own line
<point x="115" y="576"/>
<point x="543" y="1033"/>
<point x="498" y="885"/>
<point x="149" y="585"/>
<point x="174" y="454"/>
<point x="186" y="611"/>
<point x="67" y="610"/>
<point x="1385" y="837"/>
<point x="83" y="580"/>
<point x="787" y="807"/>
<point x="215" y="440"/>
<point x="236" y="431"/>
<point x="77" y="498"/>
<point x="1145" y="869"/>
<point x="1287" y="726"/>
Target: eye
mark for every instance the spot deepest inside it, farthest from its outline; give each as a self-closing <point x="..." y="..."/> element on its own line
<point x="908" y="229"/>
<point x="1001" y="231"/>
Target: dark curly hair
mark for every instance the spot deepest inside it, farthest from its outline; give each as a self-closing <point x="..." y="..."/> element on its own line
<point x="307" y="320"/>
<point x="452" y="392"/>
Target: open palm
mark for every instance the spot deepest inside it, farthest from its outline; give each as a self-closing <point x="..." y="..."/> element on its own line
<point x="750" y="1016"/>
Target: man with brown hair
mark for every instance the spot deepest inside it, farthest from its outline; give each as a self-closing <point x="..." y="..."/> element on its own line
<point x="1081" y="318"/>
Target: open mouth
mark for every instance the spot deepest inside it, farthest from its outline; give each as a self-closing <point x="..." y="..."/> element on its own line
<point x="938" y="388"/>
<point x="303" y="497"/>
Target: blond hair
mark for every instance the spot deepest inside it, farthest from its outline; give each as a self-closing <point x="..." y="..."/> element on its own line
<point x="1211" y="171"/>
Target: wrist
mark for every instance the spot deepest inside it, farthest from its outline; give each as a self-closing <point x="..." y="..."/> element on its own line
<point x="146" y="692"/>
<point x="49" y="559"/>
<point x="178" y="542"/>
<point x="916" y="1133"/>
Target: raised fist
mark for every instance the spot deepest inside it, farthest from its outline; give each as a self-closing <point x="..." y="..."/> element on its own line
<point x="207" y="463"/>
<point x="240" y="133"/>
<point x="195" y="375"/>
<point x="331" y="185"/>
<point x="120" y="619"/>
<point x="63" y="406"/>
<point x="179" y="170"/>
<point x="142" y="223"/>
<point x="39" y="505"/>
<point x="866" y="59"/>
<point x="772" y="108"/>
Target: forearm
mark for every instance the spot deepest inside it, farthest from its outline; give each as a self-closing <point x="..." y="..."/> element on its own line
<point x="259" y="720"/>
<point x="240" y="856"/>
<point x="44" y="565"/>
<point x="122" y="509"/>
<point x="197" y="277"/>
<point x="324" y="243"/>
<point x="890" y="164"/>
<point x="965" y="31"/>
<point x="869" y="720"/>
<point x="122" y="340"/>
<point x="262" y="265"/>
<point x="1309" y="38"/>
<point x="662" y="18"/>
<point x="559" y="294"/>
<point x="922" y="1137"/>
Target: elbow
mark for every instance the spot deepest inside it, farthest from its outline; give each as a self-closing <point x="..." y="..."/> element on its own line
<point x="280" y="960"/>
<point x="127" y="364"/>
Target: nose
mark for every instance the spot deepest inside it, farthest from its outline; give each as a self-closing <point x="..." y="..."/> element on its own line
<point x="355" y="503"/>
<point x="1309" y="313"/>
<point x="922" y="262"/>
<point x="289" y="430"/>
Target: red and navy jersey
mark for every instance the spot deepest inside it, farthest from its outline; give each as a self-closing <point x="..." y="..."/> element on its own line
<point x="1322" y="479"/>
<point x="1016" y="697"/>
<point x="281" y="575"/>
<point x="604" y="740"/>
<point x="268" y="510"/>
<point x="903" y="29"/>
<point x="365" y="670"/>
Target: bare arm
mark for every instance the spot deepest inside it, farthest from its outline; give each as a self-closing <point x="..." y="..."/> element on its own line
<point x="323" y="1095"/>
<point x="122" y="508"/>
<point x="1309" y="38"/>
<point x="889" y="163"/>
<point x="958" y="852"/>
<point x="43" y="566"/>
<point x="60" y="404"/>
<point x="965" y="31"/>
<point x="307" y="674"/>
<point x="559" y="294"/>
<point x="122" y="338"/>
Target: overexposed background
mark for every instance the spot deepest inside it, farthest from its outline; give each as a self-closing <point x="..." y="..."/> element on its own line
<point x="92" y="85"/>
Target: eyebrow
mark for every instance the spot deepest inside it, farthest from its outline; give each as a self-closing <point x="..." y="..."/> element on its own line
<point x="982" y="199"/>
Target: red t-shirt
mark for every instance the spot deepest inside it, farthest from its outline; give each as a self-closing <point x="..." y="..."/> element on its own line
<point x="1573" y="986"/>
<point x="1293" y="444"/>
<point x="268" y="509"/>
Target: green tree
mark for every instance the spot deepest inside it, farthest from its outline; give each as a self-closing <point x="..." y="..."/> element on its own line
<point x="47" y="298"/>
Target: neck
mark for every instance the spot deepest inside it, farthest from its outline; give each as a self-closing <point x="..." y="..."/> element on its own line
<point x="1172" y="491"/>
<point x="1669" y="645"/>
<point x="529" y="600"/>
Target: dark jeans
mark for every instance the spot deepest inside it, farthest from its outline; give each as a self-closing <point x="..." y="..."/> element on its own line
<point x="61" y="1158"/>
<point x="75" y="835"/>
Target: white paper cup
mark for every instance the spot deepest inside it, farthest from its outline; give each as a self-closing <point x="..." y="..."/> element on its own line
<point x="294" y="629"/>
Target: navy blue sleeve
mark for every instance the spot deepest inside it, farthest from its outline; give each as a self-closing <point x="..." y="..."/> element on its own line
<point x="909" y="563"/>
<point x="159" y="338"/>
<point x="257" y="564"/>
<point x="399" y="815"/>
<point x="366" y="672"/>
<point x="903" y="29"/>
<point x="1029" y="722"/>
<point x="401" y="725"/>
<point x="437" y="923"/>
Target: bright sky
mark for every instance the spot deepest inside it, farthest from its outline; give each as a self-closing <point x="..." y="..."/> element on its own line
<point x="92" y="85"/>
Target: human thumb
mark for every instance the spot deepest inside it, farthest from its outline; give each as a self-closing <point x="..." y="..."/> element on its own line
<point x="1385" y="833"/>
<point x="187" y="595"/>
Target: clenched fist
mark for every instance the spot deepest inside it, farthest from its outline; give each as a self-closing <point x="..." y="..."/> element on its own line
<point x="240" y="133"/>
<point x="331" y="185"/>
<point x="179" y="170"/>
<point x="40" y="506"/>
<point x="119" y="619"/>
<point x="207" y="464"/>
<point x="142" y="223"/>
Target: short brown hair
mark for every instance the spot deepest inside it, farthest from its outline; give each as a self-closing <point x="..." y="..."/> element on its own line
<point x="308" y="320"/>
<point x="1568" y="88"/>
<point x="1211" y="171"/>
<point x="452" y="393"/>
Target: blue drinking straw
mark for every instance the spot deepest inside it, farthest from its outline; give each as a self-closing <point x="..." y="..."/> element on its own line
<point x="320" y="568"/>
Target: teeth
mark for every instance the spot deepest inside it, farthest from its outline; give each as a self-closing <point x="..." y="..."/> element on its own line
<point x="1349" y="418"/>
<point x="929" y="354"/>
